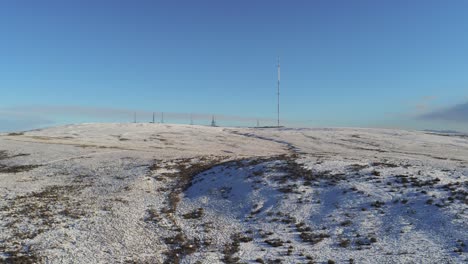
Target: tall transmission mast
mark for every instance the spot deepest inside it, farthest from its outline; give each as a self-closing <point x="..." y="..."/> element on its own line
<point x="279" y="77"/>
<point x="213" y="121"/>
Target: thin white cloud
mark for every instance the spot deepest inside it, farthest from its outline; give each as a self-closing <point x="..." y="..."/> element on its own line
<point x="456" y="113"/>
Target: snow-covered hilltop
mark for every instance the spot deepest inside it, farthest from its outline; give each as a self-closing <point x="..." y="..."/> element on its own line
<point x="157" y="193"/>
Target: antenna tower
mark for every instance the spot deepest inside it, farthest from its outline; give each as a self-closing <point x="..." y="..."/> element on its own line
<point x="213" y="121"/>
<point x="278" y="93"/>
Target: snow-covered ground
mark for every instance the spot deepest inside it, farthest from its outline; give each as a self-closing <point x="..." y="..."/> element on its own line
<point x="156" y="193"/>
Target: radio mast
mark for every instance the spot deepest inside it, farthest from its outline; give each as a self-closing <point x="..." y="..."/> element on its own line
<point x="279" y="77"/>
<point x="213" y="121"/>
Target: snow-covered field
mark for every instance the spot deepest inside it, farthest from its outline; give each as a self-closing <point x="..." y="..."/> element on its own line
<point x="156" y="193"/>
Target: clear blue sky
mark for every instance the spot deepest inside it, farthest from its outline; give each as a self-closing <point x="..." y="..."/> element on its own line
<point x="344" y="63"/>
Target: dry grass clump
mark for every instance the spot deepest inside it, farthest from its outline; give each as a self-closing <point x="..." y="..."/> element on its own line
<point x="15" y="134"/>
<point x="307" y="235"/>
<point x="346" y="223"/>
<point x="181" y="246"/>
<point x="195" y="214"/>
<point x="344" y="243"/>
<point x="274" y="242"/>
<point x="231" y="249"/>
<point x="17" y="168"/>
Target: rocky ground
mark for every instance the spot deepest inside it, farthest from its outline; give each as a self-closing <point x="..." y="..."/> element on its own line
<point x="155" y="193"/>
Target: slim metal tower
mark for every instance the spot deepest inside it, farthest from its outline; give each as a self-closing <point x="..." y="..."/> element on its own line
<point x="162" y="117"/>
<point x="153" y="117"/>
<point x="279" y="77"/>
<point x="213" y="121"/>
